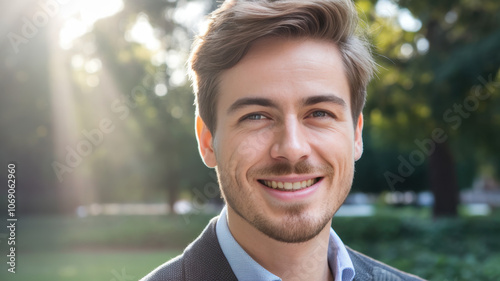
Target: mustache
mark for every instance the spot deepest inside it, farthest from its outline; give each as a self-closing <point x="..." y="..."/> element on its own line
<point x="286" y="168"/>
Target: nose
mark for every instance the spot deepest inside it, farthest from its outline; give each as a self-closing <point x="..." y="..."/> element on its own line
<point x="291" y="142"/>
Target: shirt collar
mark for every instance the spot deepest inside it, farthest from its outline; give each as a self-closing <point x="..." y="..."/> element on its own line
<point x="245" y="268"/>
<point x="338" y="259"/>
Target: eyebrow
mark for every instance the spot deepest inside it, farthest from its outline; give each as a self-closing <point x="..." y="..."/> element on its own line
<point x="243" y="102"/>
<point x="330" y="98"/>
<point x="240" y="103"/>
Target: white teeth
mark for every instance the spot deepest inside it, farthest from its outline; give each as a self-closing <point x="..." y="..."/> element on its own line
<point x="290" y="185"/>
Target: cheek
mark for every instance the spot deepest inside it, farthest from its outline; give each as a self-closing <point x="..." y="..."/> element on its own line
<point x="335" y="143"/>
<point x="338" y="152"/>
<point x="249" y="147"/>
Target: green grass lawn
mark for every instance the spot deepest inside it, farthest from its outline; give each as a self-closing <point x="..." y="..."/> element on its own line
<point x="125" y="248"/>
<point x="84" y="266"/>
<point x="109" y="248"/>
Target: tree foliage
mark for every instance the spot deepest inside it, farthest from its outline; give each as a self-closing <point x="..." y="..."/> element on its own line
<point x="441" y="76"/>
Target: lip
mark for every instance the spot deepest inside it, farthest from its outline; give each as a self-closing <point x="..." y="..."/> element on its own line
<point x="290" y="196"/>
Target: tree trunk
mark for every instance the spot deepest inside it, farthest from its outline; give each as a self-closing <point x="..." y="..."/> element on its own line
<point x="172" y="195"/>
<point x="444" y="184"/>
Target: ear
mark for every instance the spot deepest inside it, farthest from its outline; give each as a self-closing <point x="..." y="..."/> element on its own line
<point x="358" y="139"/>
<point x="205" y="143"/>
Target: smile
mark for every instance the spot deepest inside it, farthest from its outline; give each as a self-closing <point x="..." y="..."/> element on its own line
<point x="289" y="186"/>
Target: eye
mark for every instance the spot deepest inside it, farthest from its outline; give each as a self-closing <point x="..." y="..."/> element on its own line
<point x="320" y="114"/>
<point x="254" y="117"/>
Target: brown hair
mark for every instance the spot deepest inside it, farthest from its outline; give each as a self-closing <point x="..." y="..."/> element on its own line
<point x="236" y="24"/>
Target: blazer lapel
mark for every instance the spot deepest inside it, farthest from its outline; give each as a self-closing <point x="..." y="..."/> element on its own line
<point x="204" y="259"/>
<point x="376" y="274"/>
<point x="368" y="269"/>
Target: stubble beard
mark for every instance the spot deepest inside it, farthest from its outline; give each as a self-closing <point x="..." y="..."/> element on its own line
<point x="296" y="225"/>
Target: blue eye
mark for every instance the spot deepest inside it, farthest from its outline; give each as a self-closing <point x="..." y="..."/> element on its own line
<point x="255" y="116"/>
<point x="319" y="114"/>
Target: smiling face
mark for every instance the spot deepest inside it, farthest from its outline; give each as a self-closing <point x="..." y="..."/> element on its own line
<point x="285" y="143"/>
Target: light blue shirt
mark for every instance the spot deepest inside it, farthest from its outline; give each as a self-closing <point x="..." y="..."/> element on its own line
<point x="247" y="269"/>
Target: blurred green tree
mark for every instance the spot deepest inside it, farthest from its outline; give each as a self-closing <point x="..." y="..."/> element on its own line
<point x="435" y="102"/>
<point x="437" y="91"/>
<point x="164" y="107"/>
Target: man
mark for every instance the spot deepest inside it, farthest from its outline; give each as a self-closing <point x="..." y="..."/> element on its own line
<point x="279" y="86"/>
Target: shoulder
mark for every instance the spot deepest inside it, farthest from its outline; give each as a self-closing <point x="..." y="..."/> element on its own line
<point x="367" y="268"/>
<point x="203" y="259"/>
<point x="171" y="270"/>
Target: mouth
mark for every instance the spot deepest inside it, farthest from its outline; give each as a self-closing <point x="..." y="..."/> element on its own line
<point x="289" y="186"/>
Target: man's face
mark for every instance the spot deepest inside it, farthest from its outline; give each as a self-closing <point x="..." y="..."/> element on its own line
<point x="285" y="142"/>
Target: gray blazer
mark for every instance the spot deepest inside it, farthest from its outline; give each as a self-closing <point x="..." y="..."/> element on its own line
<point x="203" y="260"/>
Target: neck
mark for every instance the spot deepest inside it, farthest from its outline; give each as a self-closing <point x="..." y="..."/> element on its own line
<point x="297" y="261"/>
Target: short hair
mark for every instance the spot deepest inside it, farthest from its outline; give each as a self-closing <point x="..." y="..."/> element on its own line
<point x="236" y="24"/>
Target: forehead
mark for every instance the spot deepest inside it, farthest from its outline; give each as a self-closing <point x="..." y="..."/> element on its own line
<point x="285" y="69"/>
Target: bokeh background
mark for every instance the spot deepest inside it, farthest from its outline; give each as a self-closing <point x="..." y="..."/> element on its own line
<point x="96" y="112"/>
